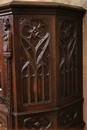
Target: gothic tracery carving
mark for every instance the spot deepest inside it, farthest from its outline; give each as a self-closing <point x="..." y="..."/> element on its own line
<point x="68" y="61"/>
<point x="39" y="123"/>
<point x="35" y="71"/>
<point x="68" y="115"/>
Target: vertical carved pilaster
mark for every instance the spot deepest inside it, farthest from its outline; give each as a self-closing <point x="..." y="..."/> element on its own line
<point x="7" y="53"/>
<point x="2" y="97"/>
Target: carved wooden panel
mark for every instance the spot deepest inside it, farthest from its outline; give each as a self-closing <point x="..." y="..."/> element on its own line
<point x="68" y="58"/>
<point x="70" y="114"/>
<point x="35" y="58"/>
<point x="41" y="66"/>
<point x="38" y="122"/>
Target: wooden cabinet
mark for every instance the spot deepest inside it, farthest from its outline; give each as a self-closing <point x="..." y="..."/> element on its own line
<point x="41" y="66"/>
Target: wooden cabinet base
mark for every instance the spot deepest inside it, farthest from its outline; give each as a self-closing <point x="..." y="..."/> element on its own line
<point x="41" y="66"/>
<point x="79" y="126"/>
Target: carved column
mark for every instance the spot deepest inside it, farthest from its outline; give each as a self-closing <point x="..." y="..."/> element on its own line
<point x="7" y="54"/>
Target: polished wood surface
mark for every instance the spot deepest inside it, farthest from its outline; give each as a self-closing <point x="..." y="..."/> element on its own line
<point x="41" y="66"/>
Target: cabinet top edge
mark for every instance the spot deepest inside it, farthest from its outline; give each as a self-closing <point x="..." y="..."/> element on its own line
<point x="40" y="4"/>
<point x="54" y="6"/>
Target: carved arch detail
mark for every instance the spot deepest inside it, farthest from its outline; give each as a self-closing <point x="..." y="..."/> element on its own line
<point x="68" y="58"/>
<point x="35" y="56"/>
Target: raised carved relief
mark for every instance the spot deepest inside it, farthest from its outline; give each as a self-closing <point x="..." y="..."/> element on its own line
<point x="7" y="37"/>
<point x="7" y="54"/>
<point x="68" y="115"/>
<point x="2" y="100"/>
<point x="68" y="58"/>
<point x="3" y="122"/>
<point x="37" y="123"/>
<point x="35" y="57"/>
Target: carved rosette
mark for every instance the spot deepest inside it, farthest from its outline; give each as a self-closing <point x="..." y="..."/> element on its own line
<point x="35" y="56"/>
<point x="37" y="123"/>
<point x="68" y="115"/>
<point x="68" y="58"/>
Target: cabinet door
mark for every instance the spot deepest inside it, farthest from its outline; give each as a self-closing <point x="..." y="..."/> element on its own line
<point x="70" y="98"/>
<point x="35" y="62"/>
<point x="70" y="55"/>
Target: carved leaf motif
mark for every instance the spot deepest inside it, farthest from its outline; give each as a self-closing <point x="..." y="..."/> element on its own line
<point x="35" y="60"/>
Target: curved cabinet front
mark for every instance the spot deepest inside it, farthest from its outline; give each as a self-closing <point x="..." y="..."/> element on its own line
<point x="41" y="66"/>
